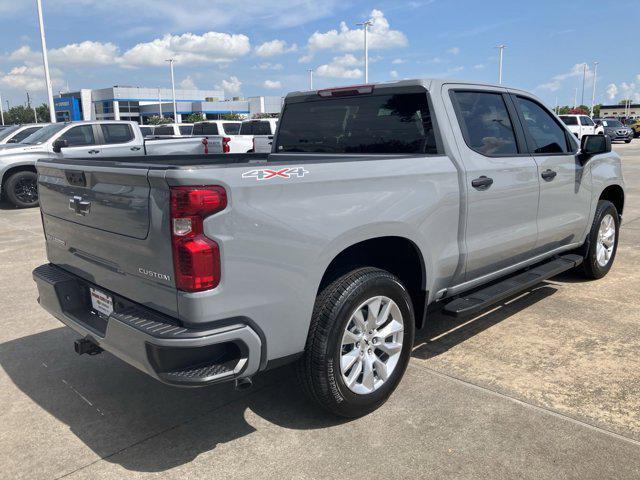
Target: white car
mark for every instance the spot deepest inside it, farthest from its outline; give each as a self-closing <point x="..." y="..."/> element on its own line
<point x="259" y="127"/>
<point x="227" y="128"/>
<point x="95" y="140"/>
<point x="16" y="133"/>
<point x="173" y="130"/>
<point x="580" y="125"/>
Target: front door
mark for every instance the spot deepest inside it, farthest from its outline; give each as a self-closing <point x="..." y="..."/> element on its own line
<point x="565" y="185"/>
<point x="118" y="140"/>
<point x="501" y="180"/>
<point x="81" y="141"/>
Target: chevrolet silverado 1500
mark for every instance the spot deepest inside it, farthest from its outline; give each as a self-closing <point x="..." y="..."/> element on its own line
<point x="377" y="202"/>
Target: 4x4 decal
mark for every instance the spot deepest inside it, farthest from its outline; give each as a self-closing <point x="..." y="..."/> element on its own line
<point x="267" y="173"/>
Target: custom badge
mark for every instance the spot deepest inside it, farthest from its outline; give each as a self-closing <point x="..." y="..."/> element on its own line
<point x="268" y="173"/>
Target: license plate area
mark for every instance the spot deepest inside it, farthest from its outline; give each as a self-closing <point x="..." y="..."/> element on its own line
<point x="101" y="303"/>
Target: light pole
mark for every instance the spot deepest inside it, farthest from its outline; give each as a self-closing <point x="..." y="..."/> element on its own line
<point x="593" y="93"/>
<point x="584" y="76"/>
<point x="501" y="47"/>
<point x="35" y="114"/>
<point x="45" y="61"/>
<point x="365" y="27"/>
<point x="1" y="110"/>
<point x="173" y="90"/>
<point x="310" y="70"/>
<point x="159" y="102"/>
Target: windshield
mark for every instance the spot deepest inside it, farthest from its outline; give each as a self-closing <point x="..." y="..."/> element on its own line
<point x="4" y="133"/>
<point x="612" y="123"/>
<point x="43" y="134"/>
<point x="396" y="123"/>
<point x="569" y="120"/>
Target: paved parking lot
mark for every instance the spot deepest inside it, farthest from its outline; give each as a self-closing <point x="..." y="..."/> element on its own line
<point x="546" y="386"/>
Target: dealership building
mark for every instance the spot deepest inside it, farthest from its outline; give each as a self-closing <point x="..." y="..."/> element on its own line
<point x="139" y="104"/>
<point x="620" y="111"/>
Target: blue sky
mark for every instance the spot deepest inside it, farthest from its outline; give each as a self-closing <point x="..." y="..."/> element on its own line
<point x="265" y="47"/>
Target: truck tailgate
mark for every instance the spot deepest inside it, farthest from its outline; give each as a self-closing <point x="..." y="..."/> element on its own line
<point x="110" y="225"/>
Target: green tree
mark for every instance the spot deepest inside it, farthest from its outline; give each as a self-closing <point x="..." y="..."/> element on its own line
<point x="43" y="113"/>
<point x="19" y="114"/>
<point x="194" y="117"/>
<point x="266" y="115"/>
<point x="231" y="116"/>
<point x="156" y="120"/>
<point x="596" y="110"/>
<point x="564" y="110"/>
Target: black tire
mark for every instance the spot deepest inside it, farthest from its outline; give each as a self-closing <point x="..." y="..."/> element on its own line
<point x="319" y="368"/>
<point x="627" y="141"/>
<point x="21" y="189"/>
<point x="591" y="268"/>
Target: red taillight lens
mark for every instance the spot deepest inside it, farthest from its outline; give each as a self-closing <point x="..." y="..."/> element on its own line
<point x="225" y="145"/>
<point x="196" y="258"/>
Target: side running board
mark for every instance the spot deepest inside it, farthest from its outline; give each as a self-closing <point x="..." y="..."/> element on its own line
<point x="476" y="301"/>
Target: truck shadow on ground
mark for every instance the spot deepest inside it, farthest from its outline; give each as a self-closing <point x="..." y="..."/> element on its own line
<point x="132" y="420"/>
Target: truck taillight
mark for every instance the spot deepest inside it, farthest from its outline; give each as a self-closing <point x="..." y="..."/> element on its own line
<point x="196" y="258"/>
<point x="225" y="145"/>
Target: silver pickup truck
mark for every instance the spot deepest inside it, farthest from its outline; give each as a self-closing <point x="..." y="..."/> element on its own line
<point x="378" y="202"/>
<point x="96" y="139"/>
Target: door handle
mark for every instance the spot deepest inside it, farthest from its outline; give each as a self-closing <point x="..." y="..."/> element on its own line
<point x="482" y="183"/>
<point x="548" y="174"/>
<point x="94" y="151"/>
<point x="135" y="149"/>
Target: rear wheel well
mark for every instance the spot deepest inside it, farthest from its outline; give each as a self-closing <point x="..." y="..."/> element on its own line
<point x="19" y="168"/>
<point x="615" y="195"/>
<point x="397" y="255"/>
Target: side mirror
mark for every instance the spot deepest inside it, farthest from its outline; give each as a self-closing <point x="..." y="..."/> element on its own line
<point x="594" y="145"/>
<point x="59" y="144"/>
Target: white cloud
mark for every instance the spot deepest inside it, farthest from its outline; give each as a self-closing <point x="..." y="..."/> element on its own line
<point x="341" y="67"/>
<point x="232" y="85"/>
<point x="188" y="49"/>
<point x="275" y="47"/>
<point x="29" y="77"/>
<point x="272" y="84"/>
<point x="346" y="39"/>
<point x="305" y="58"/>
<point x="268" y="66"/>
<point x="397" y="61"/>
<point x="612" y="91"/>
<point x="188" y="83"/>
<point x="85" y="53"/>
<point x="556" y="82"/>
<point x="393" y="74"/>
<point x="24" y="54"/>
<point x="454" y="50"/>
<point x="479" y="66"/>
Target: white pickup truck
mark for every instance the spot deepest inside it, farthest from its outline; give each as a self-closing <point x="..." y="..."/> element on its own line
<point x="173" y="130"/>
<point x="581" y="125"/>
<point x="96" y="139"/>
<point x="229" y="129"/>
<point x="16" y="133"/>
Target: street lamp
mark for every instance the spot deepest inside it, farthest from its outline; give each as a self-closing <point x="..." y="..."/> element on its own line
<point x="593" y="94"/>
<point x="584" y="76"/>
<point x="1" y="110"/>
<point x="310" y="70"/>
<point x="173" y="90"/>
<point x="501" y="47"/>
<point x="365" y="27"/>
<point x="45" y="61"/>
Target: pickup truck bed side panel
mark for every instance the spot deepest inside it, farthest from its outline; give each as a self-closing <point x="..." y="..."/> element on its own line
<point x="278" y="236"/>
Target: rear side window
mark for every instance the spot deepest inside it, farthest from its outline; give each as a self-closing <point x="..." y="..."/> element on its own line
<point x="485" y="122"/>
<point x="231" y="128"/>
<point x="205" y="129"/>
<point x="18" y="137"/>
<point x="79" y="136"/>
<point x="117" y="133"/>
<point x="186" y="129"/>
<point x="146" y="131"/>
<point x="163" y="130"/>
<point x="256" y="128"/>
<point x="393" y="123"/>
<point x="547" y="136"/>
<point x="569" y="120"/>
<point x="586" y="121"/>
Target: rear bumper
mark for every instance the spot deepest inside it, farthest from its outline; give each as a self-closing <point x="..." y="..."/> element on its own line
<point x="154" y="343"/>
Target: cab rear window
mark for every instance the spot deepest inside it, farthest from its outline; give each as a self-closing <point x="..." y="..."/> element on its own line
<point x="393" y="123"/>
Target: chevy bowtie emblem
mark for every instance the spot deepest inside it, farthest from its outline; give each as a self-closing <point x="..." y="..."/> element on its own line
<point x="79" y="206"/>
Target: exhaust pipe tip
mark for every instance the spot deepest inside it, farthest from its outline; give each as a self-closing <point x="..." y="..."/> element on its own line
<point x="243" y="384"/>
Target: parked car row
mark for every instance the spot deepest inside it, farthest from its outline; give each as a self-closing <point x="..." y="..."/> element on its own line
<point x="581" y="125"/>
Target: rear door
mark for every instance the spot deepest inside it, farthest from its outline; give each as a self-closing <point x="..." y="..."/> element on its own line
<point x="82" y="142"/>
<point x="118" y="140"/>
<point x="501" y="179"/>
<point x="587" y="126"/>
<point x="565" y="186"/>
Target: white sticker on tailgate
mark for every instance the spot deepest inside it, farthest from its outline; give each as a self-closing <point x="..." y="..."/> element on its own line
<point x="101" y="302"/>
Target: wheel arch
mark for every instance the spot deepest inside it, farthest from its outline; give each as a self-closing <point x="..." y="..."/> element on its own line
<point x="397" y="254"/>
<point x="15" y="168"/>
<point x="615" y="194"/>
